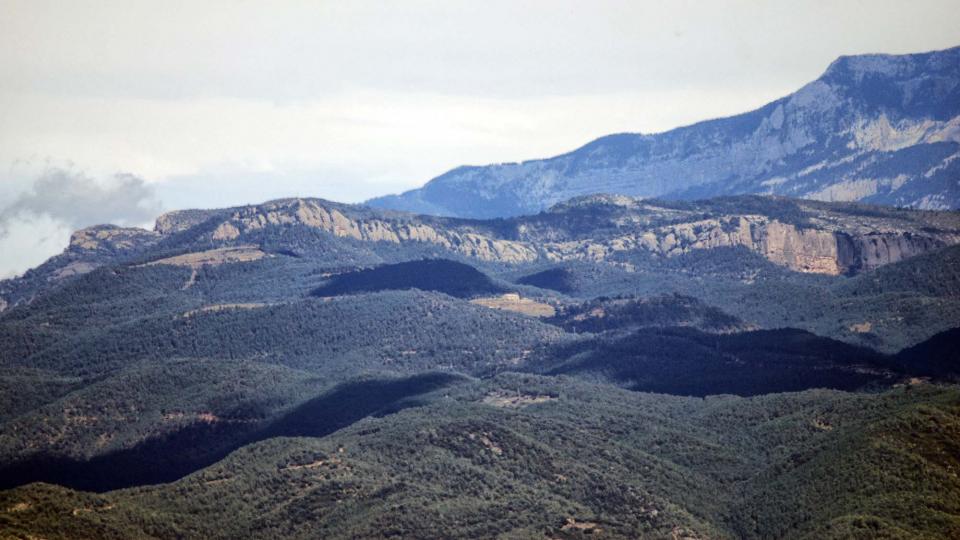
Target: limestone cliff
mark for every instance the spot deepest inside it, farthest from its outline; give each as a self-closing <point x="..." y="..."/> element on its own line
<point x="596" y="228"/>
<point x="805" y="236"/>
<point x="350" y="222"/>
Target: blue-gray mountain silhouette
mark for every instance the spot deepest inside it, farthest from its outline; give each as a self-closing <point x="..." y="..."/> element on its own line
<point x="883" y="129"/>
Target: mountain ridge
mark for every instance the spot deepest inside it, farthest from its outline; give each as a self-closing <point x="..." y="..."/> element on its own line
<point x="878" y="128"/>
<point x="803" y="236"/>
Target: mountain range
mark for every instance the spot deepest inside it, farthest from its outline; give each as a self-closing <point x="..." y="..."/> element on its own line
<point x="541" y="360"/>
<point x="883" y="129"/>
<point x="741" y="252"/>
<point x="362" y="372"/>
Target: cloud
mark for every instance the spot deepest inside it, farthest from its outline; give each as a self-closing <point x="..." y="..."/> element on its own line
<point x="77" y="200"/>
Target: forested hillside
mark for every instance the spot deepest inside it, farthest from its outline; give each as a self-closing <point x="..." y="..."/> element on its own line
<point x="528" y="456"/>
<point x="448" y="277"/>
<point x="355" y="372"/>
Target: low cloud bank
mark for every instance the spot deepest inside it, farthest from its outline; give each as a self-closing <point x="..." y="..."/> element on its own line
<point x="78" y="201"/>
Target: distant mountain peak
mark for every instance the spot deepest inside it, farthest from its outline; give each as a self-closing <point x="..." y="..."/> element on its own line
<point x="878" y="128"/>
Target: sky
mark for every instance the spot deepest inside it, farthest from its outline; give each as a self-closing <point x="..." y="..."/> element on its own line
<point x="115" y="111"/>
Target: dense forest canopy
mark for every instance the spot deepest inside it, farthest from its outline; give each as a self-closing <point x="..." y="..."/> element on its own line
<point x="381" y="378"/>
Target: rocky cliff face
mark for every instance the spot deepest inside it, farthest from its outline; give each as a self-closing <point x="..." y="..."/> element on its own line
<point x="799" y="249"/>
<point x="350" y="222"/>
<point x="878" y="128"/>
<point x="596" y="229"/>
<point x="804" y="236"/>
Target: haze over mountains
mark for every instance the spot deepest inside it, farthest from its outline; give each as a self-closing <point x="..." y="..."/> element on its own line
<point x="647" y="363"/>
<point x="883" y="129"/>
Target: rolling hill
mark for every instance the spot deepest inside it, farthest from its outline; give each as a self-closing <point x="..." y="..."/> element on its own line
<point x="525" y="456"/>
<point x="146" y="376"/>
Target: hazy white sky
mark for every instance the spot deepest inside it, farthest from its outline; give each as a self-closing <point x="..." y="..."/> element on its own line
<point x="166" y="104"/>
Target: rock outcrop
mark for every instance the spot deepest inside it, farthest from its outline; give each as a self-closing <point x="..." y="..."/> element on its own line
<point x="111" y="239"/>
<point x="88" y="250"/>
<point x="343" y="221"/>
<point x="804" y="236"/>
<point x="598" y="227"/>
<point x="181" y="220"/>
